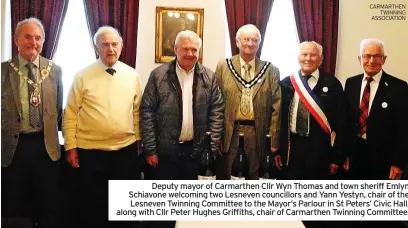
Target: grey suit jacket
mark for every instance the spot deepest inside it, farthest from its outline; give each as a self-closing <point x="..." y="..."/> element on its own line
<point x="11" y="110"/>
<point x="266" y="101"/>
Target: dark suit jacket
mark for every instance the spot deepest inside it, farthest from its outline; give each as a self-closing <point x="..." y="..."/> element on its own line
<point x="334" y="109"/>
<point x="11" y="110"/>
<point x="387" y="122"/>
<point x="266" y="101"/>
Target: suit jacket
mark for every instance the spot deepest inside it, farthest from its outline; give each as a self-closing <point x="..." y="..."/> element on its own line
<point x="330" y="93"/>
<point x="387" y="122"/>
<point x="11" y="110"/>
<point x="266" y="101"/>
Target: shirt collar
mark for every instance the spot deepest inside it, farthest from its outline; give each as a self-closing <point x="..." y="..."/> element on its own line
<point x="376" y="77"/>
<point x="315" y="74"/>
<point x="22" y="62"/>
<point x="252" y="63"/>
<point x="182" y="70"/>
<point x="106" y="67"/>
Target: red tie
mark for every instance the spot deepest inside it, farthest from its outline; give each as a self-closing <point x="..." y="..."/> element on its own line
<point x="364" y="105"/>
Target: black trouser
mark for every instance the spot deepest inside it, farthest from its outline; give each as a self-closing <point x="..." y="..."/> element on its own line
<point x="30" y="183"/>
<point x="97" y="167"/>
<point x="364" y="165"/>
<point x="308" y="159"/>
<point x="170" y="168"/>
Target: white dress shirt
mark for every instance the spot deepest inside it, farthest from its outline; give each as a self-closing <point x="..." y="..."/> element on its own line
<point x="186" y="82"/>
<point x="295" y="101"/>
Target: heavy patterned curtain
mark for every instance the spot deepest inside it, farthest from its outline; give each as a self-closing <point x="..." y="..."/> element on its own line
<point x="120" y="14"/>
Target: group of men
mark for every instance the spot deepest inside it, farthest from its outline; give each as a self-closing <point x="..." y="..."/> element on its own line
<point x="315" y="127"/>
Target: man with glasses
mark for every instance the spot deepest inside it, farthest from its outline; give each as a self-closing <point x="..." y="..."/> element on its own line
<point x="377" y="118"/>
<point x="252" y="102"/>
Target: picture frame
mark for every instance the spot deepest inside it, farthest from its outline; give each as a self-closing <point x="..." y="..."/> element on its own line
<point x="169" y="22"/>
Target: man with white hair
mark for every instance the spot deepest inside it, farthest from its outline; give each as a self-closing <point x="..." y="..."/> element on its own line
<point x="31" y="100"/>
<point x="101" y="126"/>
<point x="252" y="96"/>
<point x="377" y="118"/>
<point x="181" y="102"/>
<point x="313" y="113"/>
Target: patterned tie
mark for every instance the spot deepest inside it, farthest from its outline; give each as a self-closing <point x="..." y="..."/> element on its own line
<point x="246" y="92"/>
<point x="364" y="105"/>
<point x="34" y="111"/>
<point x="302" y="117"/>
<point x="111" y="71"/>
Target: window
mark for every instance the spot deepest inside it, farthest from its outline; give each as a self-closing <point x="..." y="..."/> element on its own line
<point x="75" y="49"/>
<point x="281" y="39"/>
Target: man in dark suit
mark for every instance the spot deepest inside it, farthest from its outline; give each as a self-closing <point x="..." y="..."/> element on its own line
<point x="313" y="127"/>
<point x="377" y="118"/>
<point x="252" y="102"/>
<point x="31" y="105"/>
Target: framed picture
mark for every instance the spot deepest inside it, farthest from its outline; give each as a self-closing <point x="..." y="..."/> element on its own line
<point x="169" y="22"/>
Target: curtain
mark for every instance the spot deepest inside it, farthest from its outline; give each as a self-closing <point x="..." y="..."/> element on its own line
<point x="317" y="20"/>
<point x="120" y="14"/>
<point x="50" y="12"/>
<point x="242" y="12"/>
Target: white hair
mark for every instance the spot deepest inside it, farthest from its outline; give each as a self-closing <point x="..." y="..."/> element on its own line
<point x="374" y="41"/>
<point x="246" y="27"/>
<point x="31" y="20"/>
<point x="189" y="35"/>
<point x="106" y="29"/>
<point x="319" y="47"/>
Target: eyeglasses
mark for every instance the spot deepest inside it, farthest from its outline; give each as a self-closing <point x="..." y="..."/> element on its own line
<point x="247" y="40"/>
<point x="377" y="57"/>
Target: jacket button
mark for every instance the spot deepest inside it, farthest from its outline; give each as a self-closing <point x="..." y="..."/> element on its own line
<point x="15" y="136"/>
<point x="18" y="120"/>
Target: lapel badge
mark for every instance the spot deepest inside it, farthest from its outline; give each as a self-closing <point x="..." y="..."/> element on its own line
<point x="44" y="72"/>
<point x="386" y="84"/>
<point x="325" y="89"/>
<point x="384" y="105"/>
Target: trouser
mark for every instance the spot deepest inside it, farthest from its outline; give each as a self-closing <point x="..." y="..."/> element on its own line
<point x="30" y="184"/>
<point x="97" y="167"/>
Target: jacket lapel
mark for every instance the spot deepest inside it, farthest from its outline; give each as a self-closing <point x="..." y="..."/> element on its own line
<point x="258" y="66"/>
<point x="237" y="66"/>
<point x="380" y="94"/>
<point x="15" y="84"/>
<point x="356" y="94"/>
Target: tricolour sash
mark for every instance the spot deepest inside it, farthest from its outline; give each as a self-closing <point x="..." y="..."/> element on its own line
<point x="311" y="101"/>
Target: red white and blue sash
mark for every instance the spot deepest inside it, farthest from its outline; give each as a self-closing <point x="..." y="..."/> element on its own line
<point x="310" y="100"/>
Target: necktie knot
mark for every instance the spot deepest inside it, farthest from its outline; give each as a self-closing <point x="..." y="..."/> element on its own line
<point x="30" y="66"/>
<point x="369" y="79"/>
<point x="307" y="77"/>
<point x="247" y="67"/>
<point x="111" y="71"/>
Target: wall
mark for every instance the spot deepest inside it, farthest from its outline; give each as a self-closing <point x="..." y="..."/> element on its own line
<point x="356" y="23"/>
<point x="213" y="37"/>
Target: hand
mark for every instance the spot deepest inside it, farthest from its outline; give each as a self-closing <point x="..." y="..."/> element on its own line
<point x="72" y="158"/>
<point x="333" y="168"/>
<point x="395" y="173"/>
<point x="139" y="147"/>
<point x="278" y="161"/>
<point x="152" y="160"/>
<point x="346" y="164"/>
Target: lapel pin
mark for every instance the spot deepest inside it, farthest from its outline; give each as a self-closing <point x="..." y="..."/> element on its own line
<point x="325" y="89"/>
<point x="386" y="84"/>
<point x="384" y="105"/>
